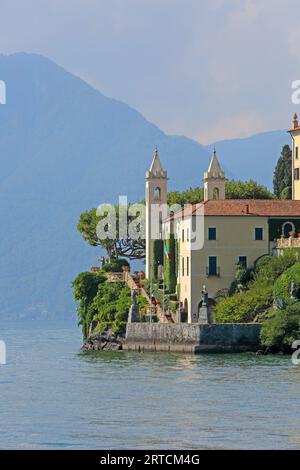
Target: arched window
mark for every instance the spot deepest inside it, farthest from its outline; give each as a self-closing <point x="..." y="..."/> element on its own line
<point x="157" y="194"/>
<point x="216" y="193"/>
<point x="287" y="227"/>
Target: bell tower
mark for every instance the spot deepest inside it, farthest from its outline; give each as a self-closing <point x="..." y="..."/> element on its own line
<point x="156" y="195"/>
<point x="214" y="180"/>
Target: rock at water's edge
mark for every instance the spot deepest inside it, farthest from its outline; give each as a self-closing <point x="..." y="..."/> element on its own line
<point x="106" y="341"/>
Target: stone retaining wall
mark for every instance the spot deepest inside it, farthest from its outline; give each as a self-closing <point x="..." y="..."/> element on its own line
<point x="192" y="338"/>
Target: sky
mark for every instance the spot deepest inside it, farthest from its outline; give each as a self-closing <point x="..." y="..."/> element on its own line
<point x="210" y="70"/>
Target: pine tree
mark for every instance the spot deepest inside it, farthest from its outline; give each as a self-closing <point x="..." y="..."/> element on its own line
<point x="282" y="181"/>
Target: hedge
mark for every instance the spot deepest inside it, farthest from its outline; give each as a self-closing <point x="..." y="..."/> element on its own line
<point x="282" y="328"/>
<point x="282" y="285"/>
<point x="169" y="264"/>
<point x="158" y="257"/>
<point x="244" y="306"/>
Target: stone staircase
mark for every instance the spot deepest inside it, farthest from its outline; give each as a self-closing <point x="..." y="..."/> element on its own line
<point x="157" y="310"/>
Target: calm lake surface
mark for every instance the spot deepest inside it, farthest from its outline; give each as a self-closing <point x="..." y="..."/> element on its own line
<point x="55" y="397"/>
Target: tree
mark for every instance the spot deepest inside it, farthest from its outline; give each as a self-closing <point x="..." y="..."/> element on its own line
<point x="135" y="248"/>
<point x="282" y="181"/>
<point x="189" y="196"/>
<point x="282" y="328"/>
<point x="85" y="288"/>
<point x="115" y="247"/>
<point x="170" y="264"/>
<point x="236" y="189"/>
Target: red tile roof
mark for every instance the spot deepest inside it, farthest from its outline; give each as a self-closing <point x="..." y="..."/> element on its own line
<point x="246" y="207"/>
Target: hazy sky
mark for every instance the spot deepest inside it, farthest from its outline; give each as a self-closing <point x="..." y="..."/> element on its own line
<point x="208" y="69"/>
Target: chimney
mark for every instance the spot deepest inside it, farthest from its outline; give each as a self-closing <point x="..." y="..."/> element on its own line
<point x="295" y="121"/>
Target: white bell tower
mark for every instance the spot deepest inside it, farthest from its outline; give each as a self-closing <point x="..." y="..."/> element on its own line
<point x="214" y="180"/>
<point x="156" y="193"/>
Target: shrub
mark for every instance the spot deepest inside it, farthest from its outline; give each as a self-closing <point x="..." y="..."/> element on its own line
<point x="169" y="264"/>
<point x="158" y="257"/>
<point x="271" y="267"/>
<point x="115" y="266"/>
<point x="282" y="285"/>
<point x="282" y="328"/>
<point x="111" y="305"/>
<point x="143" y="305"/>
<point x="244" y="307"/>
<point x="85" y="288"/>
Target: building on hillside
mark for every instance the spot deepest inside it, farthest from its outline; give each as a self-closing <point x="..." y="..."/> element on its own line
<point x="228" y="232"/>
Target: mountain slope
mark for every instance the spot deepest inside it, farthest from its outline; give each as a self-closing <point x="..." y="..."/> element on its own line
<point x="64" y="147"/>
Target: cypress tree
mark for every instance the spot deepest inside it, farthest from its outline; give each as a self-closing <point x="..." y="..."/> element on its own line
<point x="282" y="181"/>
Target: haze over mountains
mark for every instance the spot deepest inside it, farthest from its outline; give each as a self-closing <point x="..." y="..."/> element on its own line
<point x="64" y="148"/>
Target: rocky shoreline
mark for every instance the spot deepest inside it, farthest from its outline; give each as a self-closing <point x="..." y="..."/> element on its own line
<point x="106" y="341"/>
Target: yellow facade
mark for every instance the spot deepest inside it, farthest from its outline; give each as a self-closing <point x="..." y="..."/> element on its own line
<point x="295" y="133"/>
<point x="235" y="238"/>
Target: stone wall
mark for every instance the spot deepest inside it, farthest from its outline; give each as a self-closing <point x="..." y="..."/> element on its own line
<point x="193" y="338"/>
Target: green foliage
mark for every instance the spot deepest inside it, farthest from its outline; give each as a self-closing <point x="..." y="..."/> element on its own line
<point x="114" y="246"/>
<point x="245" y="306"/>
<point x="236" y="189"/>
<point x="170" y="265"/>
<point x="158" y="256"/>
<point x="189" y="196"/>
<point x="282" y="181"/>
<point x="286" y="193"/>
<point x="143" y="305"/>
<point x="85" y="287"/>
<point x="87" y="226"/>
<point x="271" y="267"/>
<point x="282" y="285"/>
<point x="110" y="306"/>
<point x="282" y="328"/>
<point x="115" y="266"/>
<point x="242" y="274"/>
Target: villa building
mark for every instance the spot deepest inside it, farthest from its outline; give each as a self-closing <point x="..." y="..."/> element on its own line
<point x="217" y="234"/>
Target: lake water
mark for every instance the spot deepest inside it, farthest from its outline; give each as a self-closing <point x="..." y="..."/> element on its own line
<point x="55" y="397"/>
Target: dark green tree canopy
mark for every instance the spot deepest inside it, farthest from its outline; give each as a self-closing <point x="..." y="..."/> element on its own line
<point x="132" y="249"/>
<point x="282" y="181"/>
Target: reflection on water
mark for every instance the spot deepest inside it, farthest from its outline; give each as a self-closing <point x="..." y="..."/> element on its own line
<point x="54" y="396"/>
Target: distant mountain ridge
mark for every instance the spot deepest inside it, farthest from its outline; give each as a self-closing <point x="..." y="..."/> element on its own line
<point x="64" y="148"/>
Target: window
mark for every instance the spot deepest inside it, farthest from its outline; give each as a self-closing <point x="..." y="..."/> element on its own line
<point x="182" y="266"/>
<point x="212" y="233"/>
<point x="259" y="233"/>
<point x="187" y="234"/>
<point x="187" y="266"/>
<point x="296" y="173"/>
<point x="212" y="266"/>
<point x="182" y="237"/>
<point x="216" y="193"/>
<point x="296" y="153"/>
<point x="287" y="228"/>
<point x="243" y="261"/>
<point x="157" y="194"/>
